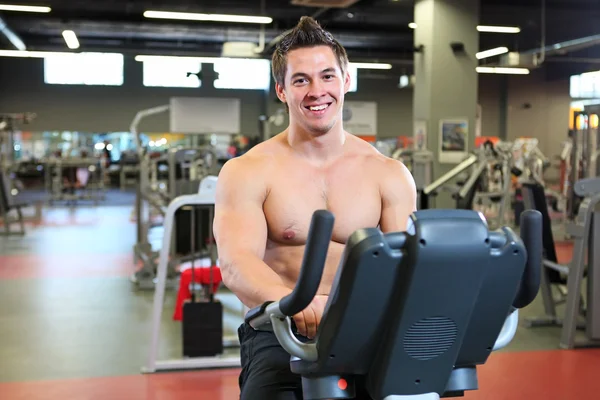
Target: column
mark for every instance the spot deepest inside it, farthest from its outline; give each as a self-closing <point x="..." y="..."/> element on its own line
<point x="445" y="94"/>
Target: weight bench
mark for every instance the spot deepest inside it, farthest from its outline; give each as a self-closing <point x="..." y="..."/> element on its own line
<point x="412" y="313"/>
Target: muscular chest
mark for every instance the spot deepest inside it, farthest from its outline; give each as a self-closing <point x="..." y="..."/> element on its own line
<point x="348" y="193"/>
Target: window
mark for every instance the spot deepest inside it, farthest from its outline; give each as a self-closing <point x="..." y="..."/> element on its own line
<point x="239" y="73"/>
<point x="586" y="85"/>
<point x="84" y="69"/>
<point x="172" y="72"/>
<point x="353" y="79"/>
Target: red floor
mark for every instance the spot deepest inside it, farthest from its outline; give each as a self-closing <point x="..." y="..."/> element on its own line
<point x="548" y="375"/>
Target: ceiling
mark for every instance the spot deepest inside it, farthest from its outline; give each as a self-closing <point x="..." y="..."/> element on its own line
<point x="369" y="29"/>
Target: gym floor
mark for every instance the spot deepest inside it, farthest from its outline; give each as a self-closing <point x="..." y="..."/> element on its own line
<point x="72" y="325"/>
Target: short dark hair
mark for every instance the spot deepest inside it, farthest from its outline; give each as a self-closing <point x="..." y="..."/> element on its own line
<point x="307" y="33"/>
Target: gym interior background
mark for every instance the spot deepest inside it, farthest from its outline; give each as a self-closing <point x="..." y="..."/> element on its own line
<point x="78" y="277"/>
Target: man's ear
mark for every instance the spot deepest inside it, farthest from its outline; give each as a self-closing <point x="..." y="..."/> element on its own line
<point x="280" y="92"/>
<point x="347" y="82"/>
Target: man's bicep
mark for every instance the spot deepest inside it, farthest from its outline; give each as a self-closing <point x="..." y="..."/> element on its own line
<point x="399" y="197"/>
<point x="240" y="229"/>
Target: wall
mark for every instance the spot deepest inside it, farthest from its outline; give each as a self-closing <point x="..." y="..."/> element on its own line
<point x="105" y="109"/>
<point x="489" y="100"/>
<point x="539" y="109"/>
<point x="98" y="109"/>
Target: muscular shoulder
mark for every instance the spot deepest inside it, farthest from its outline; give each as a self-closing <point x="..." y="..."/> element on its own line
<point x="380" y="165"/>
<point x="393" y="176"/>
<point x="249" y="172"/>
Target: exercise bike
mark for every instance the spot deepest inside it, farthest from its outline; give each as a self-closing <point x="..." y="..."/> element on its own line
<point x="411" y="314"/>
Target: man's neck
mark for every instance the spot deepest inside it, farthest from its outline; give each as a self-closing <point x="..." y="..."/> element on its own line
<point x="317" y="148"/>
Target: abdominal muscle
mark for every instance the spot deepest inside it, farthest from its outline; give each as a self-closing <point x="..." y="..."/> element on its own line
<point x="286" y="261"/>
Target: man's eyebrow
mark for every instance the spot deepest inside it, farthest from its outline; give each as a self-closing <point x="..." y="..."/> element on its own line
<point x="303" y="74"/>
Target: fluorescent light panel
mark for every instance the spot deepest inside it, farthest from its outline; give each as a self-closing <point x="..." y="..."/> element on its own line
<point x="248" y="19"/>
<point x="371" y="65"/>
<point x="486" y="28"/>
<point x="498" y="29"/>
<point x="32" y="54"/>
<point x="71" y="39"/>
<point x="142" y="58"/>
<point x="501" y="70"/>
<point x="12" y="7"/>
<point x="491" y="52"/>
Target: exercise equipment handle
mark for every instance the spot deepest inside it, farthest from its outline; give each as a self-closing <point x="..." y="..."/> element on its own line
<point x="531" y="234"/>
<point x="315" y="253"/>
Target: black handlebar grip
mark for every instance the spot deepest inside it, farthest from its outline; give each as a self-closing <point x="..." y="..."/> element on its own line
<point x="531" y="234"/>
<point x="315" y="253"/>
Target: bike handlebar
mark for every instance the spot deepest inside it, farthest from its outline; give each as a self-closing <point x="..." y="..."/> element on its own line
<point x="313" y="262"/>
<point x="531" y="234"/>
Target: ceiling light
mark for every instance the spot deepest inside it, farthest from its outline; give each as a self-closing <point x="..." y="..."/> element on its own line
<point x="501" y="70"/>
<point x="371" y="65"/>
<point x="11" y="7"/>
<point x="485" y="28"/>
<point x="491" y="52"/>
<point x="207" y="60"/>
<point x="142" y="58"/>
<point x="71" y="39"/>
<point x="208" y="17"/>
<point x="498" y="29"/>
<point x="33" y="54"/>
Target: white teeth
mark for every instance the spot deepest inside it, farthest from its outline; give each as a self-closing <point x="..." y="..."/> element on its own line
<point x="319" y="108"/>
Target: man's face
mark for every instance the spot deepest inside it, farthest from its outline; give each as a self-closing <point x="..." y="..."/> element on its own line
<point x="314" y="88"/>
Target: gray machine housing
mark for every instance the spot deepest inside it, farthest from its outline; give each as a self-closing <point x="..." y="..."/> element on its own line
<point x="413" y="313"/>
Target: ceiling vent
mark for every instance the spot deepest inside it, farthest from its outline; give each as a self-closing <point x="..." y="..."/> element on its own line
<point x="324" y="3"/>
<point x="516" y="59"/>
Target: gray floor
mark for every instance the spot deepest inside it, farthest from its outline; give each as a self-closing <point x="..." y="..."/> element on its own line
<point x="68" y="309"/>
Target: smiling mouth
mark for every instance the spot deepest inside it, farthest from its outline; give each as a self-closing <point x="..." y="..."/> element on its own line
<point x="320" y="107"/>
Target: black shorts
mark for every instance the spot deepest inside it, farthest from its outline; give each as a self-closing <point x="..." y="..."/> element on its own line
<point x="266" y="373"/>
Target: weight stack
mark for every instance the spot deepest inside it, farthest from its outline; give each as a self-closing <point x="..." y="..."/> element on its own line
<point x="202" y="329"/>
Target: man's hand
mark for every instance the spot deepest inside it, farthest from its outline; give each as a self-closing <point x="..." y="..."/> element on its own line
<point x="308" y="320"/>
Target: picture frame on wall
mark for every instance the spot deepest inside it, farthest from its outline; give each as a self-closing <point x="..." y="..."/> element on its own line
<point x="453" y="140"/>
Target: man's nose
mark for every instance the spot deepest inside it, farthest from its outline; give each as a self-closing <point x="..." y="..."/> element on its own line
<point x="317" y="89"/>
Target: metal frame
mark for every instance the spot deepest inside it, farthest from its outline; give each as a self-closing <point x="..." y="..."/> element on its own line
<point x="6" y="206"/>
<point x="150" y="195"/>
<point x="586" y="231"/>
<point x="206" y="196"/>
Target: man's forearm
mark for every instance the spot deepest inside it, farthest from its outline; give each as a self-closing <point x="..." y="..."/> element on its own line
<point x="252" y="281"/>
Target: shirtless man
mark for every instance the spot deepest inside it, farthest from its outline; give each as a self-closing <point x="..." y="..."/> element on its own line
<point x="266" y="198"/>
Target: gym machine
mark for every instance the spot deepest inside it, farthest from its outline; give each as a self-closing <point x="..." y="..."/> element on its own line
<point x="419" y="163"/>
<point x="74" y="178"/>
<point x="161" y="180"/>
<point x="582" y="154"/>
<point x="406" y="314"/>
<point x="8" y="202"/>
<point x="204" y="199"/>
<point x="488" y="180"/>
<point x="585" y="230"/>
<point x="8" y="123"/>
